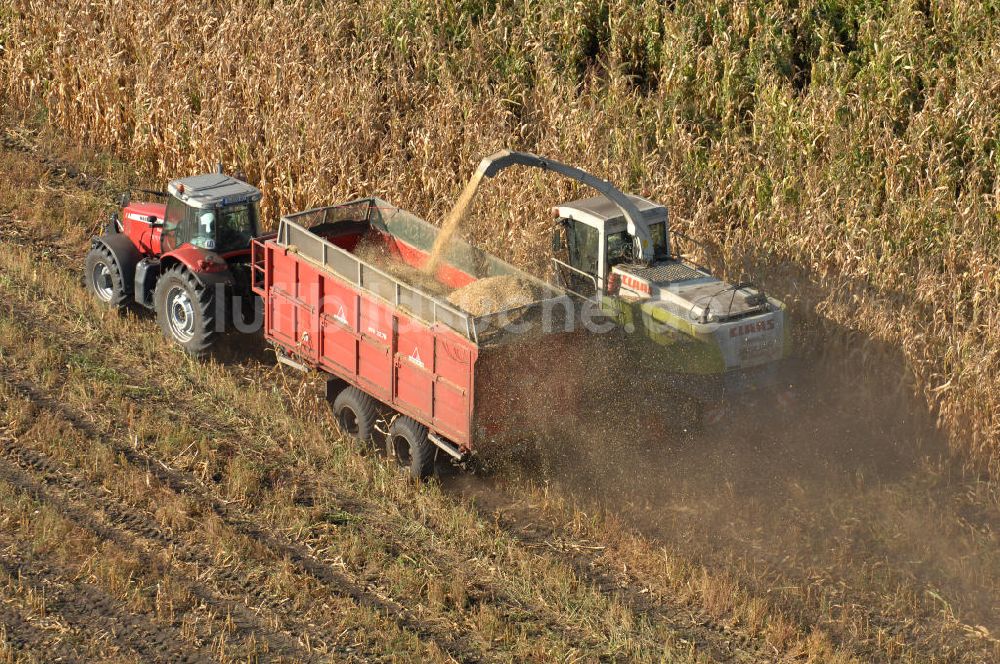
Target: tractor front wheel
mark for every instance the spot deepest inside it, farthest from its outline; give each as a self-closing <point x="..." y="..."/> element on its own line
<point x="407" y="444"/>
<point x="104" y="278"/>
<point x="185" y="310"/>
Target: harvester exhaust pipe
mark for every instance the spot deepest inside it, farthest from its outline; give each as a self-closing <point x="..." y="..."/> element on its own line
<point x="492" y="165"/>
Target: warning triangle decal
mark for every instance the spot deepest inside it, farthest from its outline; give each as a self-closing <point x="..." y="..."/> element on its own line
<point x="415" y="358"/>
<point x="341" y="315"/>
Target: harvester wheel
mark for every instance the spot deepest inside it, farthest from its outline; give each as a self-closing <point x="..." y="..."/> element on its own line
<point x="408" y="445"/>
<point x="104" y="278"/>
<point x="356" y="413"/>
<point x="185" y="310"/>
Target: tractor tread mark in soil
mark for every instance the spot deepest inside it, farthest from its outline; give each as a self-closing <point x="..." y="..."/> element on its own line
<point x="88" y="608"/>
<point x="24" y="638"/>
<point x="185" y="310"/>
<point x="706" y="633"/>
<point x="126" y="529"/>
<point x="306" y="563"/>
<point x="139" y="525"/>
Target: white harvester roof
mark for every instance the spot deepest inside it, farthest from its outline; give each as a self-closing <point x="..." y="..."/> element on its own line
<point x="600" y="210"/>
<point x="212" y="190"/>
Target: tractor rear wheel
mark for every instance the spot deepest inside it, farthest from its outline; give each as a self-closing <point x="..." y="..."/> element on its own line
<point x="104" y="278"/>
<point x="356" y="413"/>
<point x="185" y="310"/>
<point x="407" y="444"/>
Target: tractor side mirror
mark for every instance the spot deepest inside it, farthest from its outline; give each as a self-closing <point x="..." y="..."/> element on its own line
<point x="125" y="199"/>
<point x="557" y="243"/>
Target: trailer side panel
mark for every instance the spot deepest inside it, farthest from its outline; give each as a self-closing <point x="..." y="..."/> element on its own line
<point x="422" y="370"/>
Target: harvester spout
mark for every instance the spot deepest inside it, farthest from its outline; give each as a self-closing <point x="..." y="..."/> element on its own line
<point x="490" y="166"/>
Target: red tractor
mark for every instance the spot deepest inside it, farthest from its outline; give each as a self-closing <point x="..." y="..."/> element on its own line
<point x="185" y="256"/>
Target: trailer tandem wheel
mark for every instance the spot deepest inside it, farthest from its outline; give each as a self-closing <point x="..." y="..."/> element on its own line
<point x="356" y="413"/>
<point x="407" y="444"/>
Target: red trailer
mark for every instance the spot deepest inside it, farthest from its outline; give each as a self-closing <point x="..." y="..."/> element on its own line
<point x="388" y="344"/>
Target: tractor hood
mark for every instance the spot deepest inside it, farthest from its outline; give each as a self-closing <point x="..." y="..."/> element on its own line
<point x="681" y="300"/>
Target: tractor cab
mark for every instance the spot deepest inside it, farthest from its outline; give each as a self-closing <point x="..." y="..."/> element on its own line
<point x="214" y="212"/>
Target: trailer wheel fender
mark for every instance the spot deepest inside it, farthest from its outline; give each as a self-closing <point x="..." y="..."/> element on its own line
<point x="124" y="254"/>
<point x="408" y="446"/>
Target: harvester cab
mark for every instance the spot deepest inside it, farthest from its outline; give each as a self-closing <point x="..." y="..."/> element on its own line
<point x="183" y="254"/>
<point x="714" y="338"/>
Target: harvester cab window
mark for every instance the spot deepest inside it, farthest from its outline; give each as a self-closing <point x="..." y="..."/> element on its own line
<point x="620" y="248"/>
<point x="658" y="232"/>
<point x="584" y="247"/>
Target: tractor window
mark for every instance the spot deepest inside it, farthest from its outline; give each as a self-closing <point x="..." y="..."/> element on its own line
<point x="183" y="224"/>
<point x="620" y="248"/>
<point x="203" y="228"/>
<point x="584" y="245"/>
<point x="237" y="227"/>
<point x="172" y="221"/>
<point x="195" y="228"/>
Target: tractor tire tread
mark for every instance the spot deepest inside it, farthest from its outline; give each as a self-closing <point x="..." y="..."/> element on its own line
<point x="119" y="291"/>
<point x="205" y="337"/>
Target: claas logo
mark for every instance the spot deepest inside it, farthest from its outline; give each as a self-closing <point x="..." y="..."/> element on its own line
<point x="751" y="328"/>
<point x="635" y="284"/>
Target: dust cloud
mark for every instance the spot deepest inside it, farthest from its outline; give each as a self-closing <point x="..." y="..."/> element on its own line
<point x="837" y="491"/>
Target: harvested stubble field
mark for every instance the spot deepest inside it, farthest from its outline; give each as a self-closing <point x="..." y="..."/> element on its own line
<point x="155" y="508"/>
<point x="217" y="507"/>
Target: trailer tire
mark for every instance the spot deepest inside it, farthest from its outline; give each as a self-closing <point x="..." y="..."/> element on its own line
<point x="356" y="413"/>
<point x="185" y="310"/>
<point x="409" y="447"/>
<point x="104" y="278"/>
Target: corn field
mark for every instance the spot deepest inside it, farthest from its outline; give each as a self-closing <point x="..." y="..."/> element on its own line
<point x="848" y="150"/>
